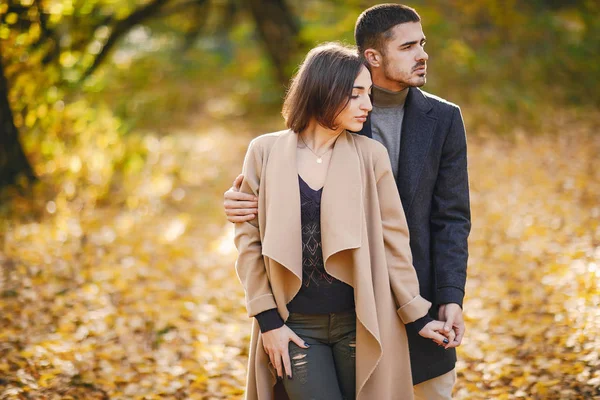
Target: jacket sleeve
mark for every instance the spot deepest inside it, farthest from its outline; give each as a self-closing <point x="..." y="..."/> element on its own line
<point x="451" y="216"/>
<point x="250" y="264"/>
<point x="403" y="277"/>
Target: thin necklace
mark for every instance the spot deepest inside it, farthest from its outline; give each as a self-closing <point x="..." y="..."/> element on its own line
<point x="319" y="157"/>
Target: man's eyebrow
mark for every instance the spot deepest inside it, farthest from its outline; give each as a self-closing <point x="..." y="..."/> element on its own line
<point x="424" y="39"/>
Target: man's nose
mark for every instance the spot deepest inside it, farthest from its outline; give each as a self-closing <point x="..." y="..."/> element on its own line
<point x="422" y="56"/>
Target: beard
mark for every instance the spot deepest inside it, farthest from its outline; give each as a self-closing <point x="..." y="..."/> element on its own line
<point x="405" y="78"/>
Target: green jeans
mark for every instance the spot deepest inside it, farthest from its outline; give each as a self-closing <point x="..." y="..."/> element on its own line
<point x="327" y="369"/>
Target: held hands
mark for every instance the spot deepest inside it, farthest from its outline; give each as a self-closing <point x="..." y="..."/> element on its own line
<point x="275" y="343"/>
<point x="239" y="207"/>
<point x="451" y="327"/>
<point x="435" y="331"/>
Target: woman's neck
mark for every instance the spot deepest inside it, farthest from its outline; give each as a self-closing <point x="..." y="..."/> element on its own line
<point x="319" y="138"/>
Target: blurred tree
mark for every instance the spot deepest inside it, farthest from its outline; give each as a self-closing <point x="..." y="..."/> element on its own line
<point x="278" y="32"/>
<point x="74" y="38"/>
<point x="13" y="162"/>
<point x="521" y="55"/>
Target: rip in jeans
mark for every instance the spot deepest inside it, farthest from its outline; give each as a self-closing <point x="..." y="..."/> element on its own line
<point x="352" y="345"/>
<point x="298" y="358"/>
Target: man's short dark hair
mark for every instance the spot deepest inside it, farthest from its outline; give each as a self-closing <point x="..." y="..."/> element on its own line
<point x="322" y="87"/>
<point x="373" y="26"/>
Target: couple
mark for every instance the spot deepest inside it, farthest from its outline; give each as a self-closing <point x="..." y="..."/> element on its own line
<point x="325" y="260"/>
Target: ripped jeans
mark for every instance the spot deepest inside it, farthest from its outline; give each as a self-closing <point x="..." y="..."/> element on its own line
<point x="327" y="369"/>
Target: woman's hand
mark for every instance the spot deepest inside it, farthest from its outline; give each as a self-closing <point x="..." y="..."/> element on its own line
<point x="435" y="331"/>
<point x="275" y="343"/>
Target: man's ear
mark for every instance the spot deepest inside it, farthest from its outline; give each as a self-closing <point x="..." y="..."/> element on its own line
<point x="373" y="58"/>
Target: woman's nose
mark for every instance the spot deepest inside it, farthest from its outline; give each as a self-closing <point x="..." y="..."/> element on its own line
<point x="366" y="105"/>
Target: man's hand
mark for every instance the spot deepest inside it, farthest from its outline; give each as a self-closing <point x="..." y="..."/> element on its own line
<point x="239" y="207"/>
<point x="452" y="315"/>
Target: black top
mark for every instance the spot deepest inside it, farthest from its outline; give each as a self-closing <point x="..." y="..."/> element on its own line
<point x="320" y="292"/>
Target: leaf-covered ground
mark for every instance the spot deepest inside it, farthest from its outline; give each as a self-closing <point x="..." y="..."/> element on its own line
<point x="134" y="295"/>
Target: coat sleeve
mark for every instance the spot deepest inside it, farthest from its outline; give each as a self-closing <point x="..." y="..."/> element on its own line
<point x="451" y="217"/>
<point x="403" y="277"/>
<point x="250" y="264"/>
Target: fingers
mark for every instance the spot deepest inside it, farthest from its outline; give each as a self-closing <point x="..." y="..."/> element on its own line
<point x="435" y="331"/>
<point x="244" y="218"/>
<point x="273" y="343"/>
<point x="240" y="207"/>
<point x="241" y="212"/>
<point x="450" y="338"/>
<point x="435" y="326"/>
<point x="435" y="336"/>
<point x="278" y="366"/>
<point x="430" y="331"/>
<point x="299" y="342"/>
<point x="232" y="197"/>
<point x="459" y="330"/>
<point x="286" y="363"/>
<point x="236" y="205"/>
<point x="449" y="323"/>
<point x="271" y="358"/>
<point x="237" y="182"/>
<point x="286" y="356"/>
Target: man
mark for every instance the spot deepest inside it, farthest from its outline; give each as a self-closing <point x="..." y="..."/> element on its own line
<point x="425" y="138"/>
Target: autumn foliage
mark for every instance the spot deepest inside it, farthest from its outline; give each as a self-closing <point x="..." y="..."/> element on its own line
<point x="117" y="277"/>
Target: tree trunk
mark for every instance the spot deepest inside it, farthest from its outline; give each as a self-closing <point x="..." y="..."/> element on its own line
<point x="13" y="163"/>
<point x="278" y="31"/>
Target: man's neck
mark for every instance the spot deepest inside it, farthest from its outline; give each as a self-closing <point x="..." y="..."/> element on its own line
<point x="385" y="98"/>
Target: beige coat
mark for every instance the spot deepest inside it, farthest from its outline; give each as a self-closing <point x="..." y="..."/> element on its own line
<point x="365" y="244"/>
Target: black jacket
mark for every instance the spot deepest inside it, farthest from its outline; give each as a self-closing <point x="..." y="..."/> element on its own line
<point x="434" y="188"/>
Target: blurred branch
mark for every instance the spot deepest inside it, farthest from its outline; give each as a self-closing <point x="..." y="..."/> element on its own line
<point x="200" y="13"/>
<point x="229" y="16"/>
<point x="46" y="34"/>
<point x="121" y="28"/>
<point x="185" y="6"/>
<point x="278" y="30"/>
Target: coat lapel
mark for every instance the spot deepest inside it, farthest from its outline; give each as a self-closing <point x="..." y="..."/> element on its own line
<point x="341" y="204"/>
<point x="417" y="132"/>
<point x="282" y="240"/>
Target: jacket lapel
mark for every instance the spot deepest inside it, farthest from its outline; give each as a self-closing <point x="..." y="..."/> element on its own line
<point x="282" y="235"/>
<point x="341" y="204"/>
<point x="417" y="132"/>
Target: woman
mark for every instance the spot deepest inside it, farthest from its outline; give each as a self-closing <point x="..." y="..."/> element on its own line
<point x="326" y="265"/>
